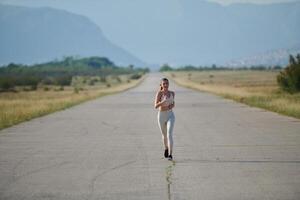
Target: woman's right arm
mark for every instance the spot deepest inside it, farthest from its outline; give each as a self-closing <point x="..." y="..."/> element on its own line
<point x="157" y="103"/>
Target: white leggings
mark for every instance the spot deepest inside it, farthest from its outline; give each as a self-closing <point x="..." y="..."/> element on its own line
<point x="166" y="120"/>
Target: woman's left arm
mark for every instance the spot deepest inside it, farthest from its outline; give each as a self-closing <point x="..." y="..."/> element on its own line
<point x="173" y="104"/>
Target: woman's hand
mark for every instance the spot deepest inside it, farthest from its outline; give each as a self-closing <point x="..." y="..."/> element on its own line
<point x="160" y="103"/>
<point x="171" y="106"/>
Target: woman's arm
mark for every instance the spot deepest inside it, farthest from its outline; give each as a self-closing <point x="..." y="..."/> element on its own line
<point x="173" y="104"/>
<point x="157" y="102"/>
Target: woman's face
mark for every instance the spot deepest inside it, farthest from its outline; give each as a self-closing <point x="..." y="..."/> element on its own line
<point x="165" y="85"/>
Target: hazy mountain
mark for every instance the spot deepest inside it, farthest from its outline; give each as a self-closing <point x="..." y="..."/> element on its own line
<point x="32" y="35"/>
<point x="192" y="31"/>
<point x="185" y="32"/>
<point x="274" y="57"/>
<point x="200" y="32"/>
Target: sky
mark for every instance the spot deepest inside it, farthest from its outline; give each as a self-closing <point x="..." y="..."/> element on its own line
<point x="223" y="2"/>
<point x="226" y="2"/>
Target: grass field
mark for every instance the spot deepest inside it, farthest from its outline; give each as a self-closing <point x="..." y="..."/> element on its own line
<point x="254" y="88"/>
<point x="16" y="107"/>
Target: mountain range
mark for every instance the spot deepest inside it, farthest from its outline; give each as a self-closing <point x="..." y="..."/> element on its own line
<point x="198" y="32"/>
<point x="34" y="35"/>
<point x="182" y="32"/>
<point x="270" y="58"/>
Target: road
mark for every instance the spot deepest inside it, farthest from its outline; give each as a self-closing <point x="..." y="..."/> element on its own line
<point x="111" y="148"/>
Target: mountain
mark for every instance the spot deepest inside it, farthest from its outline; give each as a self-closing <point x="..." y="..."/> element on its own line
<point x="33" y="35"/>
<point x="198" y="32"/>
<point x="274" y="57"/>
<point x="182" y="32"/>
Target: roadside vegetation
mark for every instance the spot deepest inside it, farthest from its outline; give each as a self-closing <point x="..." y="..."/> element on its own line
<point x="273" y="88"/>
<point x="27" y="92"/>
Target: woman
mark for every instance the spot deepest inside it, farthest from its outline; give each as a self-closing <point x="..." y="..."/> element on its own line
<point x="164" y="100"/>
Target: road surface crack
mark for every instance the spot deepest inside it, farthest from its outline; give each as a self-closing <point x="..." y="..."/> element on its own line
<point x="94" y="179"/>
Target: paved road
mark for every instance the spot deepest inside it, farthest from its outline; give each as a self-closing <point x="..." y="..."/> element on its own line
<point x="110" y="148"/>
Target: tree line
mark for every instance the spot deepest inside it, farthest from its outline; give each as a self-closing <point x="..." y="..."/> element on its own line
<point x="167" y="67"/>
<point x="288" y="78"/>
<point x="61" y="72"/>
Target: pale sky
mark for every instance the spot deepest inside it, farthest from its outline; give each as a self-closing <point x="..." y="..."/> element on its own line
<point x="226" y="2"/>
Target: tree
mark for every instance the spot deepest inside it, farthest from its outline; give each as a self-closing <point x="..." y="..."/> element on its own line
<point x="289" y="78"/>
<point x="165" y="67"/>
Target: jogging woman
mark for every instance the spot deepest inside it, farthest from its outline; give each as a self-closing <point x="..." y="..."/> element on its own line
<point x="164" y="100"/>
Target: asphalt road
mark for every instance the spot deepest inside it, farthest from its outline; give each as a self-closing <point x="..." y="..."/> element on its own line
<point x="111" y="148"/>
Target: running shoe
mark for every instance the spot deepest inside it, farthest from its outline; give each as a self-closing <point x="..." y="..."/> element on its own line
<point x="166" y="153"/>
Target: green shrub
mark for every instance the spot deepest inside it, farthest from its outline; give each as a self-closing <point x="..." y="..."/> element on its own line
<point x="63" y="80"/>
<point x="33" y="87"/>
<point x="7" y="83"/>
<point x="92" y="82"/>
<point x="103" y="79"/>
<point x="118" y="79"/>
<point x="61" y="88"/>
<point x="289" y="78"/>
<point x="135" y="76"/>
<point x="46" y="88"/>
<point x="76" y="90"/>
<point x="30" y="80"/>
<point x="48" y="81"/>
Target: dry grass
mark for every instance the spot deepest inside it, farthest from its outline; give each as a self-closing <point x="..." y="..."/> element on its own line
<point x="25" y="105"/>
<point x="255" y="88"/>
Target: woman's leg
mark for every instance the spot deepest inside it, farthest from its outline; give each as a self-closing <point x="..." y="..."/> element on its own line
<point x="170" y="126"/>
<point x="162" y="119"/>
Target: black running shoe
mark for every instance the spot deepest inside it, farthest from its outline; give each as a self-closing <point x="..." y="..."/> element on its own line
<point x="170" y="157"/>
<point x="166" y="153"/>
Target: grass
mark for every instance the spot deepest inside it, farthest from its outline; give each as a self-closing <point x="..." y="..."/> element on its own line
<point x="254" y="88"/>
<point x="16" y="107"/>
